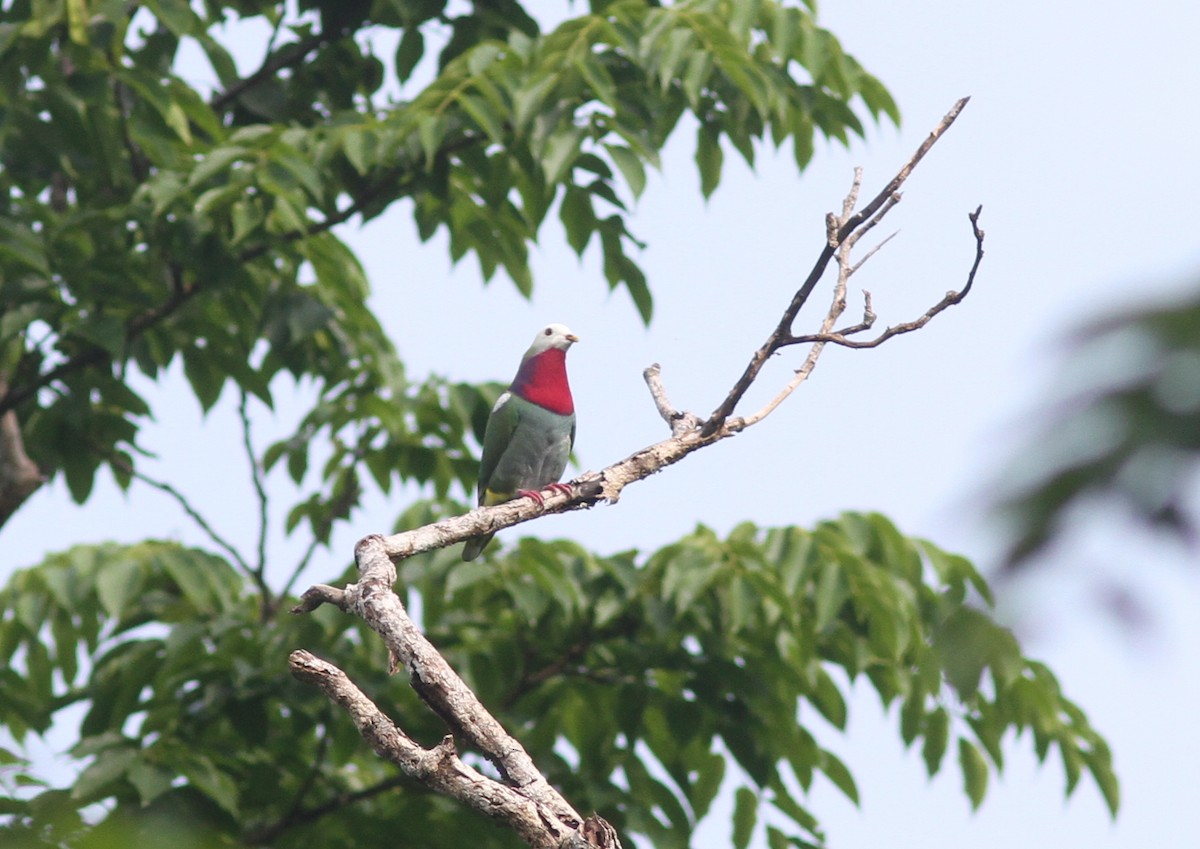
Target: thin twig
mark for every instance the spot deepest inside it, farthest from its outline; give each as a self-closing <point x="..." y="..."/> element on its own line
<point x="256" y="476"/>
<point x="951" y="299"/>
<point x="120" y="463"/>
<point x="136" y="326"/>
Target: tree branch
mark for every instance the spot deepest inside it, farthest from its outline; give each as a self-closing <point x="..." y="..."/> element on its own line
<point x="181" y="293"/>
<point x="219" y="541"/>
<point x="283" y="59"/>
<point x="952" y="298"/>
<point x="302" y="816"/>
<point x="537" y="812"/>
<point x="843" y="230"/>
<point x="523" y="799"/>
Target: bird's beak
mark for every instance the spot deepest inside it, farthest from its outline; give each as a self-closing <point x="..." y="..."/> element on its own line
<point x="571" y="337"/>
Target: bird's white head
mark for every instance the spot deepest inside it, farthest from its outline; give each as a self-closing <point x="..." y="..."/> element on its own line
<point x="552" y="336"/>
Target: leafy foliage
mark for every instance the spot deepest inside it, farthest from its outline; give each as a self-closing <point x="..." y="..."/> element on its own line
<point x="1130" y="435"/>
<point x="635" y="681"/>
<point x="145" y="221"/>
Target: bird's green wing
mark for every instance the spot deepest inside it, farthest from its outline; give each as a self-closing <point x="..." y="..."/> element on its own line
<point x="496" y="438"/>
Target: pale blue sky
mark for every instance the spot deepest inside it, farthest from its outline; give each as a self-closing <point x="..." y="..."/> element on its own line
<point x="1080" y="142"/>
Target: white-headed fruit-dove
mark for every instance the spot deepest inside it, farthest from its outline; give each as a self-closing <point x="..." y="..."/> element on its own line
<point x="531" y="429"/>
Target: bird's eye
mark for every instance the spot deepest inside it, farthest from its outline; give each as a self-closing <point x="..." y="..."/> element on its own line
<point x="548" y="332"/>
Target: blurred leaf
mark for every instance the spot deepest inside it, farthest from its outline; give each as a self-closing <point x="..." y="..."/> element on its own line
<point x="975" y="772"/>
<point x="745" y="816"/>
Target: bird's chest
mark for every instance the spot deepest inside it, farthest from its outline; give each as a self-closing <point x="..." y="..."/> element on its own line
<point x="536" y="455"/>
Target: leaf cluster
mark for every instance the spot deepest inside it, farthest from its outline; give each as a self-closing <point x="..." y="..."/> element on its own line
<point x="147" y="222"/>
<point x="660" y="672"/>
<point x="640" y="684"/>
<point x="191" y="733"/>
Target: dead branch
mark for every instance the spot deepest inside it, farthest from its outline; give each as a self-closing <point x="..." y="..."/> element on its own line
<point x="838" y="232"/>
<point x="522" y="798"/>
<point x="952" y="298"/>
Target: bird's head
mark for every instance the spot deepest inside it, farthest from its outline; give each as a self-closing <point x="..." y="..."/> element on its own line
<point x="552" y="336"/>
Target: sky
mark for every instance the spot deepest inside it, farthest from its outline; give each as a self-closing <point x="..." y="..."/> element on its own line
<point x="1079" y="145"/>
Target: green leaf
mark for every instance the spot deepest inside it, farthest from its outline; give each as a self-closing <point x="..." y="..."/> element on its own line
<point x="77" y="17"/>
<point x="409" y="52"/>
<point x="709" y="158"/>
<point x="119" y="581"/>
<point x="828" y="699"/>
<point x="578" y="218"/>
<point x="776" y="839"/>
<point x="150" y="781"/>
<point x="937" y="735"/>
<point x="745" y="816"/>
<point x="193" y="583"/>
<point x="20" y="244"/>
<point x="630" y="166"/>
<point x="1100" y="765"/>
<point x="206" y="376"/>
<point x="975" y="772"/>
<point x="431" y="130"/>
<point x="600" y="80"/>
<point x="840" y="775"/>
<point x="561" y="151"/>
<point x="98" y="779"/>
<point x="204" y="775"/>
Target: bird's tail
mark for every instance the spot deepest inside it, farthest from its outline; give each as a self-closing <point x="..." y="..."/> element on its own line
<point x="475" y="546"/>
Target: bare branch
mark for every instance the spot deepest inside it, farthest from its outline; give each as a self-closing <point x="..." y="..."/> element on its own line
<point x="319" y="594"/>
<point x="868" y="319"/>
<point x="680" y="421"/>
<point x="854" y="268"/>
<point x="525" y="801"/>
<point x="951" y="299"/>
<point x="836" y="235"/>
<point x="292" y="54"/>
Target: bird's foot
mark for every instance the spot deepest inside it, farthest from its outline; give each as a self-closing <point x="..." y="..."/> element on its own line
<point x="534" y="494"/>
<point x="561" y="488"/>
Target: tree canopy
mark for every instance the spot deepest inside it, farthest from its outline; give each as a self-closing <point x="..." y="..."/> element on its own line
<point x="149" y="220"/>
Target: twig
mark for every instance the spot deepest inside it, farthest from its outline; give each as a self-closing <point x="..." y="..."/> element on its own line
<point x="305" y="559"/>
<point x="182" y="500"/>
<point x="283" y="59"/>
<point x="259" y="490"/>
<point x="302" y="816"/>
<point x="951" y="299"/>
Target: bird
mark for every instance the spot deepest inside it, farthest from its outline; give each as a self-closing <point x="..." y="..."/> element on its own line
<point x="530" y="431"/>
